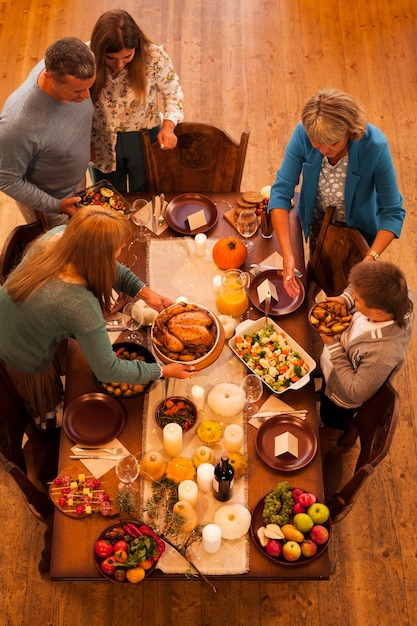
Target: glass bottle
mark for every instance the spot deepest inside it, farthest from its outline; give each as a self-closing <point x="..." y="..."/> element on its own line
<point x="223" y="479"/>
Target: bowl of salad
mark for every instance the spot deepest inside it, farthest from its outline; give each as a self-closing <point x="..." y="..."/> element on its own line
<point x="270" y="353"/>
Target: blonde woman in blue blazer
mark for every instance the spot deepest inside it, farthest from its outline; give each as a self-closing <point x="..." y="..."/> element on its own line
<point x="341" y="161"/>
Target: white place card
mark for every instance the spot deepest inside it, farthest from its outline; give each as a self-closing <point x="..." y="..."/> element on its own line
<point x="263" y="289"/>
<point x="286" y="442"/>
<point x="196" y="220"/>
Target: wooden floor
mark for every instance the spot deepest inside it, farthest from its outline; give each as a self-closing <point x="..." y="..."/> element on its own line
<point x="252" y="63"/>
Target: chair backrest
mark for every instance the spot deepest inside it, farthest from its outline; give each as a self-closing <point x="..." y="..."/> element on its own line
<point x="206" y="158"/>
<point x="13" y="422"/>
<point x="338" y="249"/>
<point x="15" y="244"/>
<point x="374" y="424"/>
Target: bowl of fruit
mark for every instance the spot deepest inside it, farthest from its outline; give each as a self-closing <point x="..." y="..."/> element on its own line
<point x="289" y="526"/>
<point x="127" y="553"/>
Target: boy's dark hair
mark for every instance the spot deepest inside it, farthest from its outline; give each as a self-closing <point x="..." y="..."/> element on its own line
<point x="382" y="285"/>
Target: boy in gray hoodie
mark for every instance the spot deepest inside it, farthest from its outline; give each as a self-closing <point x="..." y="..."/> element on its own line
<point x="356" y="363"/>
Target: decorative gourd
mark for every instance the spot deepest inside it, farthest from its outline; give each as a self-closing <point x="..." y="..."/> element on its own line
<point x="186" y="511"/>
<point x="179" y="469"/>
<point x="210" y="431"/>
<point x="239" y="463"/>
<point x="203" y="454"/>
<point x="226" y="399"/>
<point x="229" y="252"/>
<point x="152" y="465"/>
<point x="229" y="324"/>
<point x="233" y="519"/>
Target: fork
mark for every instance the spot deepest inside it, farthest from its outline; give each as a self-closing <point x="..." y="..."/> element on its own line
<point x="161" y="218"/>
<point x="108" y="450"/>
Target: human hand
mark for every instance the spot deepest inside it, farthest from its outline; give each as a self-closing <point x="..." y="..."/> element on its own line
<point x="155" y="300"/>
<point x="166" y="137"/>
<point x="290" y="283"/>
<point x="69" y="206"/>
<point x="179" y="370"/>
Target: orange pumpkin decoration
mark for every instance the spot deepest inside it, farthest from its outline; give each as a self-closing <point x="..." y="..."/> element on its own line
<point x="229" y="252"/>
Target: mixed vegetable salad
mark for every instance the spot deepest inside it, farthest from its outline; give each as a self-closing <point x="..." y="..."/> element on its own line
<point x="270" y="356"/>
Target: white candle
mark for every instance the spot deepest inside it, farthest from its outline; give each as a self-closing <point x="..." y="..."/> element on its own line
<point x="217" y="283"/>
<point x="200" y="244"/>
<point x="188" y="492"/>
<point x="172" y="435"/>
<point x="197" y="396"/>
<point x="212" y="538"/>
<point x="205" y="473"/>
<point x="233" y="437"/>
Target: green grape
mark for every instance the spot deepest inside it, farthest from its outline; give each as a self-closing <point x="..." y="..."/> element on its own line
<point x="278" y="505"/>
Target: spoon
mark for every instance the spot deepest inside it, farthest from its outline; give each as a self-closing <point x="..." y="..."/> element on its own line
<point x="161" y="218"/>
<point x="267" y="305"/>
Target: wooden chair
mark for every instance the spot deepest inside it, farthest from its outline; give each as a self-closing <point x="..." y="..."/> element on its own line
<point x="15" y="244"/>
<point x="206" y="158"/>
<point x="14" y="422"/>
<point x="373" y="428"/>
<point x="338" y="249"/>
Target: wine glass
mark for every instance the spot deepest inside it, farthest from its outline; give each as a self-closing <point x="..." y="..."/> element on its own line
<point x="131" y="323"/>
<point x="252" y="386"/>
<point x="247" y="225"/>
<point x="140" y="217"/>
<point x="127" y="471"/>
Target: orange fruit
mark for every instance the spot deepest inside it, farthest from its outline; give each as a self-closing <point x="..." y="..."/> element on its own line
<point x="146" y="564"/>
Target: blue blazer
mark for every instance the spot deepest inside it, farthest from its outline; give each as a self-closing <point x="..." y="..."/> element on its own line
<point x="372" y="199"/>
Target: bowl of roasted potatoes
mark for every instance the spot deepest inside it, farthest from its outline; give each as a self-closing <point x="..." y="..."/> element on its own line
<point x="127" y="351"/>
<point x="330" y="317"/>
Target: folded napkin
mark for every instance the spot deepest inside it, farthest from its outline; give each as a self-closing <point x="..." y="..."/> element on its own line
<point x="274" y="259"/>
<point x="273" y="404"/>
<point x="149" y="223"/>
<point x="99" y="467"/>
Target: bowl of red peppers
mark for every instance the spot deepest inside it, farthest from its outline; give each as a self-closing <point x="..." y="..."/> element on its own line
<point x="178" y="410"/>
<point x="128" y="552"/>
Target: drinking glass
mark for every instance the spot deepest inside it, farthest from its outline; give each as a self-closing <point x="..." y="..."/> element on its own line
<point x="131" y="323"/>
<point x="140" y="217"/>
<point x="247" y="225"/>
<point x="127" y="471"/>
<point x="252" y="386"/>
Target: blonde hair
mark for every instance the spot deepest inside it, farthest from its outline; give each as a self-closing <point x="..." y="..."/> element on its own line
<point x="330" y="114"/>
<point x="114" y="31"/>
<point x="89" y="243"/>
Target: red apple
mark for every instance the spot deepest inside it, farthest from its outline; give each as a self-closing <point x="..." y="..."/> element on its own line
<point x="296" y="494"/>
<point x="298" y="508"/>
<point x="291" y="551"/>
<point x="319" y="534"/>
<point x="307" y="499"/>
<point x="273" y="547"/>
<point x="308" y="548"/>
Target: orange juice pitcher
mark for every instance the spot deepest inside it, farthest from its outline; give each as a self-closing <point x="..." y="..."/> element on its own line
<point x="233" y="299"/>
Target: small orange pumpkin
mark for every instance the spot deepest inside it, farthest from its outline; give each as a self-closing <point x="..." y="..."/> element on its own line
<point x="229" y="252"/>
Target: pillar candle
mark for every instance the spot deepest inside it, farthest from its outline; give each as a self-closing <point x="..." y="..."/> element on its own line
<point x="212" y="538"/>
<point x="205" y="473"/>
<point x="197" y="395"/>
<point x="233" y="437"/>
<point x="172" y="435"/>
<point x="188" y="492"/>
<point x="200" y="244"/>
<point x="217" y="283"/>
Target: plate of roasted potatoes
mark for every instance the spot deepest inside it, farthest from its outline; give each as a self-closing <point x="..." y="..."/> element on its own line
<point x="330" y="317"/>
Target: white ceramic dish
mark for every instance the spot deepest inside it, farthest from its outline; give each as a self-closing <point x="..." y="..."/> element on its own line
<point x="249" y="327"/>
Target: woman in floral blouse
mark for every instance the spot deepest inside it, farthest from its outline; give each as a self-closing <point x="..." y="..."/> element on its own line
<point x="131" y="71"/>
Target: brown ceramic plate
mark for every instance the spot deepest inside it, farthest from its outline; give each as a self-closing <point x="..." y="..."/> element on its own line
<point x="93" y="419"/>
<point x="257" y="521"/>
<point x="286" y="304"/>
<point x="274" y="426"/>
<point x="178" y="210"/>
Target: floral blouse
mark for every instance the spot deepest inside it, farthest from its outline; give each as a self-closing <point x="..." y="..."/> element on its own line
<point x="117" y="110"/>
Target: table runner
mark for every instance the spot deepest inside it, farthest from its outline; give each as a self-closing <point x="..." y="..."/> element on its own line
<point x="175" y="270"/>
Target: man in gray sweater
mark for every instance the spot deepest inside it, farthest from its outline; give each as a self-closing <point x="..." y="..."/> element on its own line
<point x="372" y="350"/>
<point x="45" y="129"/>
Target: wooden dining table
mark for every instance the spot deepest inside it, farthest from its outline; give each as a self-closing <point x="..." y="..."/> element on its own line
<point x="73" y="539"/>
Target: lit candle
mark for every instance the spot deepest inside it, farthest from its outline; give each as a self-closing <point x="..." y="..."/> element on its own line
<point x="212" y="538"/>
<point x="200" y="244"/>
<point x="188" y="492"/>
<point x="205" y="473"/>
<point x="197" y="395"/>
<point x="172" y="435"/>
<point x="217" y="284"/>
<point x="233" y="437"/>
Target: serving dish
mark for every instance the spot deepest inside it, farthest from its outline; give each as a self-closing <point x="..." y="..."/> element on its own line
<point x="93" y="419"/>
<point x="74" y="489"/>
<point x="179" y="209"/>
<point x="257" y="521"/>
<point x="128" y="351"/>
<point x="104" y="194"/>
<point x="251" y="327"/>
<point x="285" y="304"/>
<point x="329" y="318"/>
<point x="176" y="409"/>
<point x="200" y="359"/>
<point x="275" y="426"/>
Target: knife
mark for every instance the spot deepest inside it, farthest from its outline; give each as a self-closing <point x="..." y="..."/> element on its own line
<point x="107" y="457"/>
<point x="154" y="222"/>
